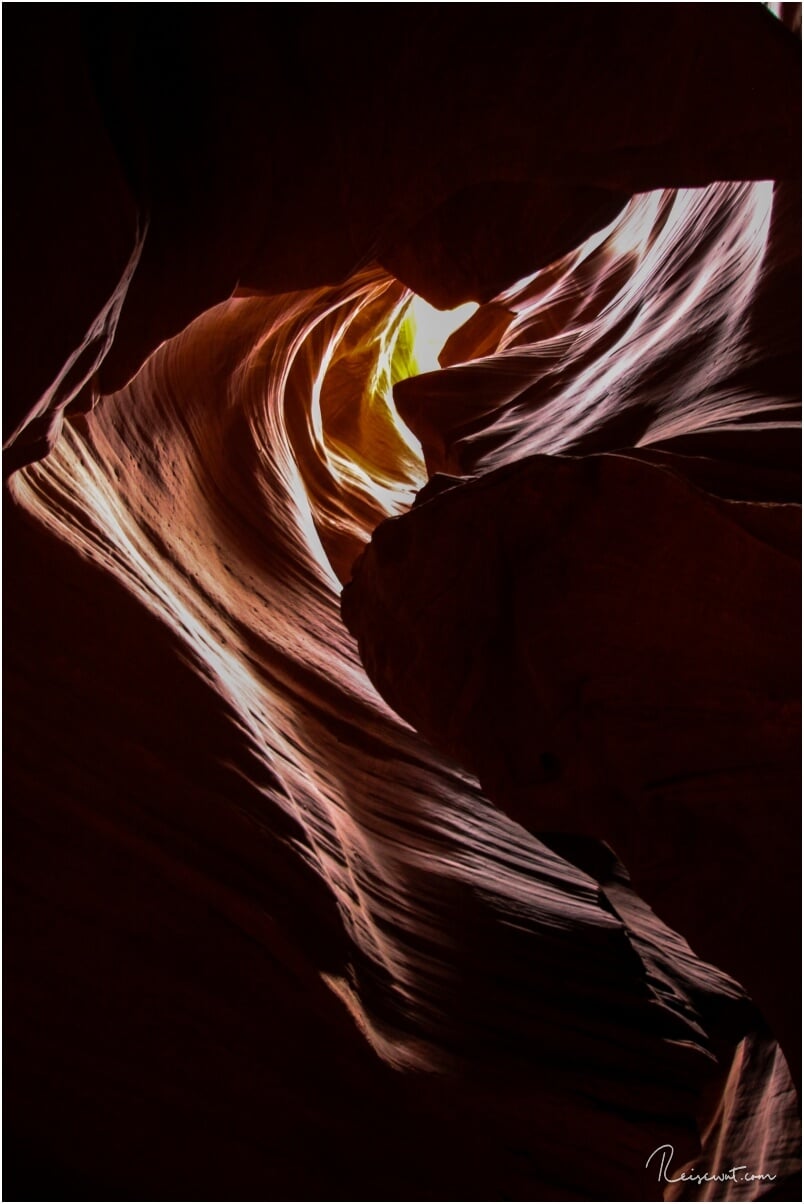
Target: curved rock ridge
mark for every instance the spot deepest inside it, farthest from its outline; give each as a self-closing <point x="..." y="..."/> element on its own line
<point x="493" y="151"/>
<point x="270" y="937"/>
<point x="608" y="638"/>
<point x="679" y="319"/>
<point x="219" y="490"/>
<point x="667" y="339"/>
<point x="534" y="639"/>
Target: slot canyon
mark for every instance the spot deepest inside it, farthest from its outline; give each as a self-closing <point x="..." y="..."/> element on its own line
<point x="402" y="610"/>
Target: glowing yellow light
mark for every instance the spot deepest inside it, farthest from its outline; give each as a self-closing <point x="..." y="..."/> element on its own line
<point x="432" y="327"/>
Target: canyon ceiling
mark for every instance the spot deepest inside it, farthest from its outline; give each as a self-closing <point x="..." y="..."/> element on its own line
<point x="402" y="741"/>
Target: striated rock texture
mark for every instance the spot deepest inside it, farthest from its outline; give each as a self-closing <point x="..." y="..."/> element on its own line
<point x="609" y="639"/>
<point x="613" y="652"/>
<point x="265" y="939"/>
<point x="457" y="149"/>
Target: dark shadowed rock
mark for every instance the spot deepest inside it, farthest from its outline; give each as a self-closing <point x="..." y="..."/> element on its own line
<point x="612" y="651"/>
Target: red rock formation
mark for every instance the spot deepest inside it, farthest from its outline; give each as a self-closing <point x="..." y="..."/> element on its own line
<point x="484" y="152"/>
<point x="266" y="941"/>
<point x="613" y="652"/>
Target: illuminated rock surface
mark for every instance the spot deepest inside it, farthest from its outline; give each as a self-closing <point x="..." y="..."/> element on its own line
<point x="264" y="939"/>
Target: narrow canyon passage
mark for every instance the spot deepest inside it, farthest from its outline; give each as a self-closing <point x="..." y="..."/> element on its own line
<point x="402" y="725"/>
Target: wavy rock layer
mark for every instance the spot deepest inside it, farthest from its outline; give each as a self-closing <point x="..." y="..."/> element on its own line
<point x="269" y="941"/>
<point x="614" y="635"/>
<point x="245" y="148"/>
